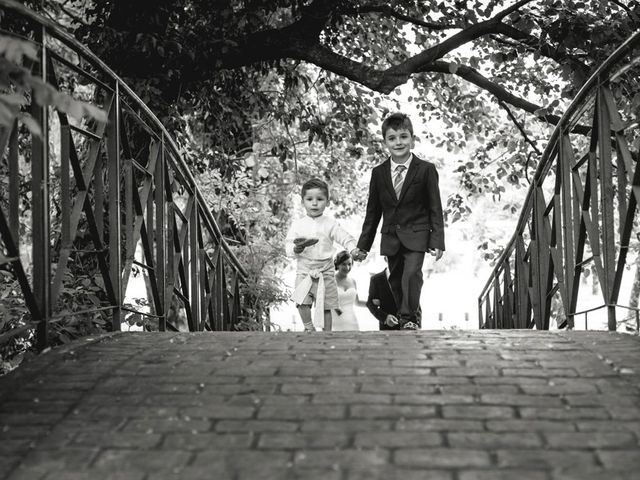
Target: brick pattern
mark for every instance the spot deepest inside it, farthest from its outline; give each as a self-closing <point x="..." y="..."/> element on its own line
<point x="372" y="405"/>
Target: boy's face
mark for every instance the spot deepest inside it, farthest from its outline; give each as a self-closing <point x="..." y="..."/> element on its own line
<point x="399" y="143"/>
<point x="314" y="201"/>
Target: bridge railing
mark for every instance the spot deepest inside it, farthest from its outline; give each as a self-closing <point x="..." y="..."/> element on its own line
<point x="580" y="214"/>
<point x="116" y="198"/>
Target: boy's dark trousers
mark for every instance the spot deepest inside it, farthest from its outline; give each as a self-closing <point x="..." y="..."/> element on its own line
<point x="405" y="275"/>
<point x="381" y="301"/>
<point x="411" y="224"/>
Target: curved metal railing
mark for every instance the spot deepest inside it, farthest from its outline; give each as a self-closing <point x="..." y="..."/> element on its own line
<point x="578" y="216"/>
<point x="117" y="196"/>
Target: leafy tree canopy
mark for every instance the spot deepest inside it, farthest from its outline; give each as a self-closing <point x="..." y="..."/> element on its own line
<point x="324" y="67"/>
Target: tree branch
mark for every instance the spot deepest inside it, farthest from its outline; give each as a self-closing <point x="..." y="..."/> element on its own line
<point x="519" y="127"/>
<point x="300" y="41"/>
<point x="388" y="10"/>
<point x="473" y="76"/>
<point x="467" y="35"/>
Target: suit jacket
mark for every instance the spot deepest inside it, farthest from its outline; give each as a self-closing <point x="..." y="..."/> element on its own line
<point x="414" y="220"/>
<point x="381" y="303"/>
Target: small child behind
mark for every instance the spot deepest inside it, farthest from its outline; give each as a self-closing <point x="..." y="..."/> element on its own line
<point x="311" y="242"/>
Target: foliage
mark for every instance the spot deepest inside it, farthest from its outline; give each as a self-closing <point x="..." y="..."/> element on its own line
<point x="16" y="81"/>
<point x="492" y="74"/>
<point x="19" y="87"/>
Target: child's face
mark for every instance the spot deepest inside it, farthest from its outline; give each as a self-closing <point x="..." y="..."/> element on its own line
<point x="399" y="143"/>
<point x="314" y="202"/>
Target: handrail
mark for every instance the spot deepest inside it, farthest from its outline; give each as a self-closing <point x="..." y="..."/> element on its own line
<point x="138" y="209"/>
<point x="89" y="55"/>
<point x="565" y="196"/>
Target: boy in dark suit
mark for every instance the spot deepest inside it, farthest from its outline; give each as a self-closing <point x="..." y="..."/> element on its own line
<point x="404" y="192"/>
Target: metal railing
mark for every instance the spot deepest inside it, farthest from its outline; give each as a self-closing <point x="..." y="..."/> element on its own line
<point x="578" y="215"/>
<point x="115" y="196"/>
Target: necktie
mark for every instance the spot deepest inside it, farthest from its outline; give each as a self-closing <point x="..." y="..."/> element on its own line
<point x="398" y="179"/>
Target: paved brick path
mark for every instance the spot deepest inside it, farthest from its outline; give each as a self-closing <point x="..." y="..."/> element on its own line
<point x="345" y="406"/>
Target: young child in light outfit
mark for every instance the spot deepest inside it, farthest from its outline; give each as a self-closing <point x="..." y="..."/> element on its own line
<point x="311" y="242"/>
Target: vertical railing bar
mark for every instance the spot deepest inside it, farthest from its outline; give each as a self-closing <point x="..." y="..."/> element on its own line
<point x="65" y="190"/>
<point x="40" y="211"/>
<point x="235" y="312"/>
<point x="202" y="269"/>
<point x="606" y="182"/>
<point x="225" y="295"/>
<point x="129" y="217"/>
<point x="98" y="195"/>
<point x="488" y="311"/>
<point x="115" y="219"/>
<point x="193" y="263"/>
<point x="536" y="260"/>
<point x="497" y="305"/>
<point x="215" y="288"/>
<point x="14" y="185"/>
<point x="160" y="238"/>
<point x="170" y="240"/>
<point x="568" y="231"/>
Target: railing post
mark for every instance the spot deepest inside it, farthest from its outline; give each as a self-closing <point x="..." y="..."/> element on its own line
<point x="40" y="215"/>
<point x="161" y="235"/>
<point x="115" y="260"/>
<point x="606" y="185"/>
<point x="193" y="260"/>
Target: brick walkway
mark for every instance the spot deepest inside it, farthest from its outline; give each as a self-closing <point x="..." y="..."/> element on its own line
<point x="428" y="405"/>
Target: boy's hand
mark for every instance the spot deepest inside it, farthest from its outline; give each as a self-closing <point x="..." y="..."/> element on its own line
<point x="436" y="252"/>
<point x="298" y="249"/>
<point x="358" y="255"/>
<point x="391" y="321"/>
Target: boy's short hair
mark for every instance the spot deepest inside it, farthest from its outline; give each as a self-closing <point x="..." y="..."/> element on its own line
<point x="396" y="121"/>
<point x="315" y="183"/>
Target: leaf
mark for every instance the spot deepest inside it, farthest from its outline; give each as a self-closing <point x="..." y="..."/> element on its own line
<point x="7" y="115"/>
<point x="31" y="124"/>
<point x="15" y="99"/>
<point x="95" y="112"/>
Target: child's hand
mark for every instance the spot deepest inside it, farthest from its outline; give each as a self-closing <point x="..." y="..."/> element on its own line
<point x="391" y="321"/>
<point x="338" y="311"/>
<point x="304" y="242"/>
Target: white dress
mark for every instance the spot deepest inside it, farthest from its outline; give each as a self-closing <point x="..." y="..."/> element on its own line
<point x="347" y="321"/>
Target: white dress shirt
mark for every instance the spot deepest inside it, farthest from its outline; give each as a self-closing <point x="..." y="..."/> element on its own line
<point x="326" y="229"/>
